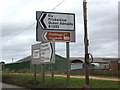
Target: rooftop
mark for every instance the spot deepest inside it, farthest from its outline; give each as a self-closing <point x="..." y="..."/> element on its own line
<point x="96" y="59"/>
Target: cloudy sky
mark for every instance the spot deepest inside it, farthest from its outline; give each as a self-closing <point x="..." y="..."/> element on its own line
<point x="18" y="27"/>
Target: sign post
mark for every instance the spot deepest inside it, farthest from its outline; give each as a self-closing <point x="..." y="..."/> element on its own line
<point x="57" y="26"/>
<point x="54" y="25"/>
<point x="68" y="63"/>
<point x="43" y="75"/>
<point x="35" y="54"/>
<point x="47" y="55"/>
<point x="57" y="21"/>
<point x="34" y="73"/>
<point x="52" y="75"/>
<point x="58" y="36"/>
<point x="35" y="57"/>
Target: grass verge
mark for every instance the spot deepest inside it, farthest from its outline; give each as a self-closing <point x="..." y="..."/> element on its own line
<point x="27" y="80"/>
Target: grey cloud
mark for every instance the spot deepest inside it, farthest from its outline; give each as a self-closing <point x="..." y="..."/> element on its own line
<point x="102" y="30"/>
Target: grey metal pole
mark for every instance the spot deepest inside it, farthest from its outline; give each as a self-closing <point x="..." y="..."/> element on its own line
<point x="68" y="63"/>
<point x="34" y="73"/>
<point x="43" y="75"/>
<point x="52" y="75"/>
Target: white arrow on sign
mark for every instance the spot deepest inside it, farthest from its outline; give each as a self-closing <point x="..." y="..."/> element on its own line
<point x="57" y="21"/>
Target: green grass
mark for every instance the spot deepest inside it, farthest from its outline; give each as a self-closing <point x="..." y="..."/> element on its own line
<point x="27" y="80"/>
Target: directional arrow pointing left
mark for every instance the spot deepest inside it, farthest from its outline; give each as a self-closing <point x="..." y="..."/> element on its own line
<point x="42" y="20"/>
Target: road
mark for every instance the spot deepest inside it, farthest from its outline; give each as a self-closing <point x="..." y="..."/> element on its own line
<point x="6" y="86"/>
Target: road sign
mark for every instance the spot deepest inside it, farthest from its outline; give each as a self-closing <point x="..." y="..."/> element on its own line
<point x="47" y="52"/>
<point x="58" y="36"/>
<point x="57" y="21"/>
<point x="36" y="53"/>
<point x="54" y="22"/>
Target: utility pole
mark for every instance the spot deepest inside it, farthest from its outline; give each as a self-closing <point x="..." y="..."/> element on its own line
<point x="86" y="41"/>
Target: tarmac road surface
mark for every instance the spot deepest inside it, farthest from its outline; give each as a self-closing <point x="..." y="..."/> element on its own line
<point x="9" y="86"/>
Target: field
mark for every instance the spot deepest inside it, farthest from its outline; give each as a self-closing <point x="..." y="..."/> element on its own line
<point x="27" y="80"/>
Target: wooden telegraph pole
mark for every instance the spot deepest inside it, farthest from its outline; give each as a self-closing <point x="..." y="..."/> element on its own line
<point x="86" y="41"/>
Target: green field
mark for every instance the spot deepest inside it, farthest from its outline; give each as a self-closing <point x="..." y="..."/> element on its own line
<point x="27" y="80"/>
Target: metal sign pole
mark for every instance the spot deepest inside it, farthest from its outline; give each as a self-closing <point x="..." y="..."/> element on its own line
<point x="43" y="75"/>
<point x="35" y="58"/>
<point x="34" y="73"/>
<point x="68" y="63"/>
<point x="52" y="75"/>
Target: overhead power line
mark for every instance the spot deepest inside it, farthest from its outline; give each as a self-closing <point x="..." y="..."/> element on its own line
<point x="57" y="5"/>
<point x="25" y="29"/>
<point x="34" y="22"/>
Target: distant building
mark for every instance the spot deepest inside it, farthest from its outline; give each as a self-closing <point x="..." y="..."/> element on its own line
<point x="2" y="63"/>
<point x="28" y="58"/>
<point x="76" y="64"/>
<point x="100" y="63"/>
<point x="114" y="66"/>
<point x="25" y="64"/>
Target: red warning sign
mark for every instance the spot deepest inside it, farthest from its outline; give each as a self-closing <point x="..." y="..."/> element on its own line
<point x="42" y="59"/>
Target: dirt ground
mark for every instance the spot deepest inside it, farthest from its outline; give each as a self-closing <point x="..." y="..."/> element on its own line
<point x="91" y="77"/>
